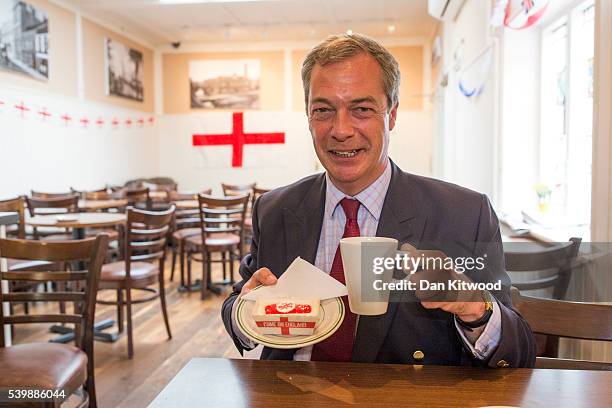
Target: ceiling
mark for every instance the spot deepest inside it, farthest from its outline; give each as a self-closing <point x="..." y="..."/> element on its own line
<point x="261" y="20"/>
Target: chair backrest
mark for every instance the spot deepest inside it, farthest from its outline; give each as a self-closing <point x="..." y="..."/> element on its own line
<point x="237" y="189"/>
<point x="159" y="187"/>
<point x="57" y="205"/>
<point x="188" y="217"/>
<point x="257" y="192"/>
<point x="138" y="196"/>
<point x="92" y="250"/>
<point x="15" y="205"/>
<point x="559" y="259"/>
<point x="162" y="180"/>
<point x="222" y="214"/>
<point x="97" y="195"/>
<point x="146" y="234"/>
<point x="575" y="320"/>
<point x="84" y="193"/>
<point x="40" y="194"/>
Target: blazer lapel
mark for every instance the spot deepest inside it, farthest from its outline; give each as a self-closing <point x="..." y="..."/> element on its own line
<point x="302" y="231"/>
<point x="399" y="219"/>
<point x="303" y="224"/>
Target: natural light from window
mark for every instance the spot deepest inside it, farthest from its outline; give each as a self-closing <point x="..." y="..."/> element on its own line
<point x="566" y="119"/>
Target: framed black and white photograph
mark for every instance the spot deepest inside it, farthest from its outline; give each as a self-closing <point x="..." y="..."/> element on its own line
<point x="124" y="71"/>
<point x="24" y="39"/>
<point x="224" y="84"/>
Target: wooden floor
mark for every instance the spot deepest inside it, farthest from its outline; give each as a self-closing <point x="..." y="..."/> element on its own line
<point x="197" y="331"/>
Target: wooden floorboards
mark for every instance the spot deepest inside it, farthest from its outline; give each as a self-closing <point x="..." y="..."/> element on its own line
<point x="197" y="331"/>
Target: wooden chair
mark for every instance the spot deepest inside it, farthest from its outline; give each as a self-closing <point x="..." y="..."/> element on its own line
<point x="18" y="231"/>
<point x="58" y="205"/>
<point x="558" y="259"/>
<point x="15" y="205"/>
<point x="186" y="223"/>
<point x="576" y="320"/>
<point x="248" y="222"/>
<point x="145" y="243"/>
<point x="221" y="226"/>
<point x="237" y="189"/>
<point x="51" y="365"/>
<point x="163" y="181"/>
<point x="40" y="194"/>
<point x="160" y="195"/>
<point x="83" y="193"/>
<point x="139" y="198"/>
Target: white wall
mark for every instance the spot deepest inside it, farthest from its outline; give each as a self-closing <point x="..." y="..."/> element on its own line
<point x="468" y="145"/>
<point x="276" y="165"/>
<point x="49" y="156"/>
<point x="270" y="166"/>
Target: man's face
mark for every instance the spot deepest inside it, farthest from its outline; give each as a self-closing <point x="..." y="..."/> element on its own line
<point x="350" y="121"/>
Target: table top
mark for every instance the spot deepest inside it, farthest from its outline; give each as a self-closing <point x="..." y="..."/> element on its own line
<point x="102" y="204"/>
<point x="257" y="383"/>
<point x="82" y="220"/>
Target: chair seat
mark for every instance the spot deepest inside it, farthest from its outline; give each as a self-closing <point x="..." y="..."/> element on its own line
<point x="43" y="366"/>
<point x="185" y="232"/>
<point x="215" y="240"/>
<point x="115" y="271"/>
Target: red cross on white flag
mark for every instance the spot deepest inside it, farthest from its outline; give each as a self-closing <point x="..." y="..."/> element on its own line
<point x="237" y="139"/>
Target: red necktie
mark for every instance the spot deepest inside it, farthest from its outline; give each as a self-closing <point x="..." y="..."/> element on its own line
<point x="339" y="346"/>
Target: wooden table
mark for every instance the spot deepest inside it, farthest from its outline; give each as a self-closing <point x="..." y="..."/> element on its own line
<point x="255" y="383"/>
<point x="6" y="218"/>
<point x="82" y="220"/>
<point x="93" y="205"/>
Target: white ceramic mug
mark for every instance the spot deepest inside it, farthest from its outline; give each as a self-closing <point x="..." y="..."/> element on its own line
<point x="357" y="274"/>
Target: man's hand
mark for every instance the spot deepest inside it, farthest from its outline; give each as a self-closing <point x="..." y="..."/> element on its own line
<point x="466" y="305"/>
<point x="262" y="276"/>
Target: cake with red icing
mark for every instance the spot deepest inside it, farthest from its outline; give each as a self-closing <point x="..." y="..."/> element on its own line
<point x="286" y="316"/>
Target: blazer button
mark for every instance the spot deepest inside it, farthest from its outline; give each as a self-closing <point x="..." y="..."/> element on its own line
<point x="503" y="364"/>
<point x="418" y="355"/>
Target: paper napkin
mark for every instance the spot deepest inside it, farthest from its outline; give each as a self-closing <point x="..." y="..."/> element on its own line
<point x="303" y="280"/>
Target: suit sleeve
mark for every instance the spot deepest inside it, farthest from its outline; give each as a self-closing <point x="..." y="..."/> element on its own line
<point x="516" y="346"/>
<point x="248" y="266"/>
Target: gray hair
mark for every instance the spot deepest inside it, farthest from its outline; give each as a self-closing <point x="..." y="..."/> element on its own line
<point x="340" y="47"/>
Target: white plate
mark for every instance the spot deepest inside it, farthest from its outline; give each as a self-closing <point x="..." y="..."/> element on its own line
<point x="66" y="218"/>
<point x="332" y="315"/>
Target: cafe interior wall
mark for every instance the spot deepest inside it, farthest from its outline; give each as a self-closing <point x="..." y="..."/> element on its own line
<point x="45" y="154"/>
<point x="467" y="146"/>
<point x="282" y="110"/>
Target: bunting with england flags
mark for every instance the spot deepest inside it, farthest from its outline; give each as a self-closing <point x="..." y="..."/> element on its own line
<point x="30" y="110"/>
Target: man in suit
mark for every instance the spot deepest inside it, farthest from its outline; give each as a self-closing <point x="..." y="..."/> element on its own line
<point x="351" y="87"/>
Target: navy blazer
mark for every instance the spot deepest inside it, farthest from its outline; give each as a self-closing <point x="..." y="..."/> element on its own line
<point x="427" y="213"/>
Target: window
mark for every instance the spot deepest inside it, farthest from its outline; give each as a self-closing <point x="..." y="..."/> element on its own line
<point x="566" y="104"/>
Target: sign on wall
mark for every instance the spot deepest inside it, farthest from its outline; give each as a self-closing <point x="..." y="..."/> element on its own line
<point x="224" y="84"/>
<point x="124" y="71"/>
<point x="24" y="39"/>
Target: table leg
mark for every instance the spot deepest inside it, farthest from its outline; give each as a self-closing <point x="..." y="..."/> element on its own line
<point x="197" y="286"/>
<point x="67" y="334"/>
<point x="5" y="306"/>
